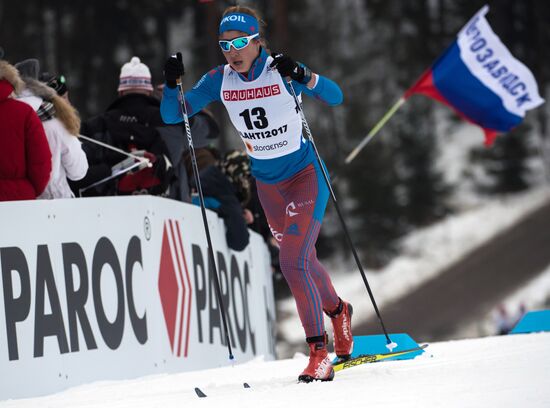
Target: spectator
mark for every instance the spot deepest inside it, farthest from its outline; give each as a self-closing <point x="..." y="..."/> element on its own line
<point x="522" y="310"/>
<point x="133" y="123"/>
<point x="204" y="129"/>
<point x="57" y="82"/>
<point x="236" y="167"/>
<point x="221" y="196"/>
<point x="61" y="124"/>
<point x="503" y="320"/>
<point x="25" y="158"/>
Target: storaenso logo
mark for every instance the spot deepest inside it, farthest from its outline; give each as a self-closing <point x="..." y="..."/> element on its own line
<point x="49" y="319"/>
<point x="176" y="291"/>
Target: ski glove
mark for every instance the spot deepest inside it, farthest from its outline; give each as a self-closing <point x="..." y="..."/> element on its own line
<point x="173" y="69"/>
<point x="287" y="67"/>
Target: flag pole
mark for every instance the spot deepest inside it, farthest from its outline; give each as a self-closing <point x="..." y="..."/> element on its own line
<point x="376" y="128"/>
<point x="397" y="105"/>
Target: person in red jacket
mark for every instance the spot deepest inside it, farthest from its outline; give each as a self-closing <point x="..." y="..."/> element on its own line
<point x="25" y="157"/>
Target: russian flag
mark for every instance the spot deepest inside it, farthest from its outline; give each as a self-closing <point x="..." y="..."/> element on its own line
<point x="481" y="80"/>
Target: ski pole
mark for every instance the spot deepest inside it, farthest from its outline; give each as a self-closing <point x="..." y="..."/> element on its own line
<point x="111" y="177"/>
<point x="390" y="345"/>
<point x="108" y="146"/>
<point x="203" y="210"/>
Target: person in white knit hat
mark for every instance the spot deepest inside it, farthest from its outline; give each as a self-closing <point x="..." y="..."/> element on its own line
<point x="132" y="123"/>
<point x="135" y="77"/>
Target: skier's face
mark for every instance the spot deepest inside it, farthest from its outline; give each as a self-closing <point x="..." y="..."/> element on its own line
<point x="240" y="60"/>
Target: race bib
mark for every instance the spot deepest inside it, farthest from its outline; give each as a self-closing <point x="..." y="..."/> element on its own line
<point x="263" y="112"/>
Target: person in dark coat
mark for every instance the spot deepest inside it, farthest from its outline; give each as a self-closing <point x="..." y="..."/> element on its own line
<point x="131" y="123"/>
<point x="25" y="157"/>
<point x="221" y="196"/>
<point x="235" y="166"/>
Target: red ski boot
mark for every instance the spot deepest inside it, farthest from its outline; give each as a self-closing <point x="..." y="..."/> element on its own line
<point x="319" y="367"/>
<point x="341" y="323"/>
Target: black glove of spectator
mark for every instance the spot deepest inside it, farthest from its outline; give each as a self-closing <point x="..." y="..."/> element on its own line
<point x="173" y="69"/>
<point x="289" y="68"/>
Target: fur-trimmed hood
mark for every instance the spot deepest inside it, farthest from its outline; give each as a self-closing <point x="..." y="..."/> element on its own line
<point x="9" y="73"/>
<point x="39" y="89"/>
<point x="64" y="111"/>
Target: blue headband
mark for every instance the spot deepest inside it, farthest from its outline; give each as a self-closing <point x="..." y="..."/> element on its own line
<point x="239" y="22"/>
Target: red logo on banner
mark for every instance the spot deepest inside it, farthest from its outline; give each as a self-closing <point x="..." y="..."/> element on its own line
<point x="175" y="288"/>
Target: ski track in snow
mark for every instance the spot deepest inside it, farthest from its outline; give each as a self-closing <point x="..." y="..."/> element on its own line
<point x="505" y="371"/>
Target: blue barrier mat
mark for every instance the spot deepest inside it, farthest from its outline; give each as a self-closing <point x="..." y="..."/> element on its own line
<point x="376" y="344"/>
<point x="532" y="322"/>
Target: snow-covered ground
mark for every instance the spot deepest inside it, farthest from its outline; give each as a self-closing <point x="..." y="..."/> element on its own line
<point x="506" y="371"/>
<point x="424" y="254"/>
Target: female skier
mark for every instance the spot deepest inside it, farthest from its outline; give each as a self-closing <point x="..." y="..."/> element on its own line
<point x="254" y="89"/>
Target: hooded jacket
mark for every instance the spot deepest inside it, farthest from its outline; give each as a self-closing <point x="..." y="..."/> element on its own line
<point x="61" y="125"/>
<point x="25" y="158"/>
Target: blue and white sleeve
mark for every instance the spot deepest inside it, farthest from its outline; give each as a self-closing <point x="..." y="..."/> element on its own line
<point x="325" y="90"/>
<point x="205" y="91"/>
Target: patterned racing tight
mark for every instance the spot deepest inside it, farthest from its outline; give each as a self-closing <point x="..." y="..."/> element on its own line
<point x="294" y="209"/>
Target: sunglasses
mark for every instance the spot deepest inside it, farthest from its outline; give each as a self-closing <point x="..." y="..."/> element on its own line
<point x="237" y="43"/>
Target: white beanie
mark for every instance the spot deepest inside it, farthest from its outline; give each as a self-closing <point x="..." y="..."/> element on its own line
<point x="135" y="75"/>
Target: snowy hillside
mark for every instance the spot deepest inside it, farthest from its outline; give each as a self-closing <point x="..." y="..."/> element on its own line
<point x="506" y="371"/>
